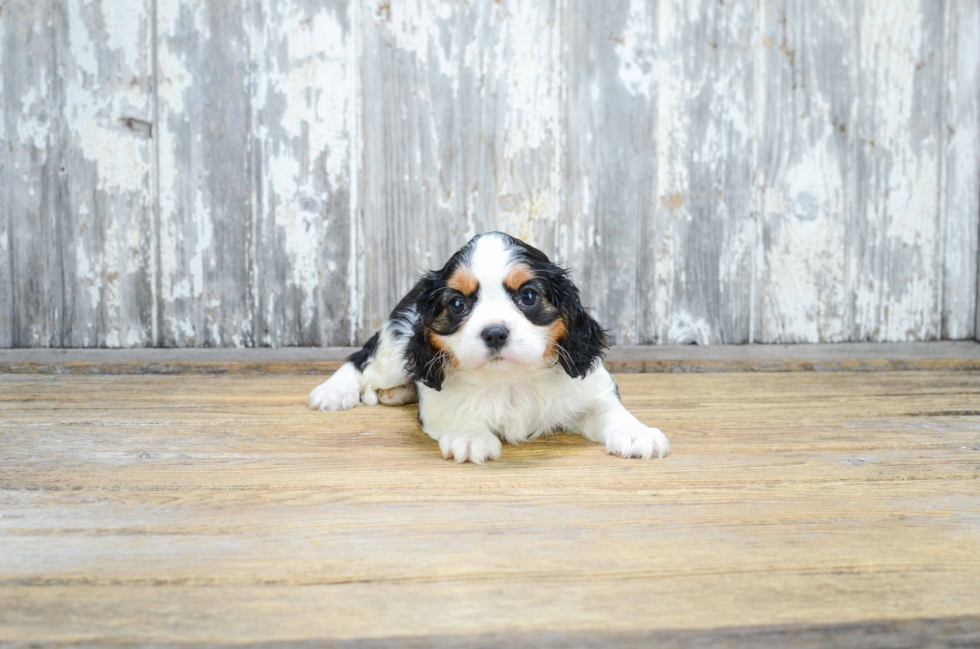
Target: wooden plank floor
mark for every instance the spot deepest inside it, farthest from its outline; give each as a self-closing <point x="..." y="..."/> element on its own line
<point x="204" y="508"/>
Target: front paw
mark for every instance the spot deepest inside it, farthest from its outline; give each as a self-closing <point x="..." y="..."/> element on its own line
<point x="334" y="395"/>
<point x="472" y="447"/>
<point x="637" y="440"/>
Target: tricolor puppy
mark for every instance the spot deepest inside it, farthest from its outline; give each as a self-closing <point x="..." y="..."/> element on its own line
<point x="495" y="347"/>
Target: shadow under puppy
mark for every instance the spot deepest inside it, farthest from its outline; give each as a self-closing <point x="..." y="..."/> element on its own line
<point x="494" y="346"/>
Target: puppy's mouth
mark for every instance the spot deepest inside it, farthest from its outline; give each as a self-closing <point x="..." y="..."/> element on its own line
<point x="494" y="358"/>
<point x="502" y="358"/>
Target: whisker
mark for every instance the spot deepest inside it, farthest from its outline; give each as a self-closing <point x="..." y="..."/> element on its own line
<point x="440" y="356"/>
<point x="564" y="354"/>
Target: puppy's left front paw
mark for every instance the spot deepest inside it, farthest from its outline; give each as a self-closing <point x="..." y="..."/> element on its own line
<point x="637" y="440"/>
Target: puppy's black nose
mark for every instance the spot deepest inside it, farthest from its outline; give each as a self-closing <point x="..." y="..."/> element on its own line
<point x="495" y="336"/>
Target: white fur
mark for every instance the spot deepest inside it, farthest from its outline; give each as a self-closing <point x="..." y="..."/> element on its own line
<point x="341" y="391"/>
<point x="516" y="404"/>
<point x="522" y="394"/>
<point x="385" y="372"/>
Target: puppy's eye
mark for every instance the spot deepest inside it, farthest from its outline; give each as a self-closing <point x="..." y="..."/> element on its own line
<point x="529" y="297"/>
<point x="457" y="306"/>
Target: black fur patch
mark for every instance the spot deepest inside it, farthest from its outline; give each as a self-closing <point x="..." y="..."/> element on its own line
<point x="403" y="317"/>
<point x="425" y="363"/>
<point x="364" y="356"/>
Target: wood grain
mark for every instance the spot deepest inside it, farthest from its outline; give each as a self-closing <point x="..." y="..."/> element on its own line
<point x="705" y="198"/>
<point x="302" y="102"/>
<point x="76" y="175"/>
<point x="31" y="164"/>
<point x="6" y="269"/>
<point x="894" y="291"/>
<point x="807" y="169"/>
<point x="105" y="193"/>
<point x="206" y="176"/>
<point x="219" y="509"/>
<point x="961" y="198"/>
<point x="609" y="178"/>
<point x="274" y="172"/>
<point x="460" y="108"/>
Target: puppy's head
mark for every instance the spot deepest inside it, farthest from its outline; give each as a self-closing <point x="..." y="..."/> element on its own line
<point x="500" y="303"/>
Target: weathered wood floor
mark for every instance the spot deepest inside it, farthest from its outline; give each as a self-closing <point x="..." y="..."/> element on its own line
<point x="196" y="508"/>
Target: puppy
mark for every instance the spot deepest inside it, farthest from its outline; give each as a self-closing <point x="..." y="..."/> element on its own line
<point x="495" y="347"/>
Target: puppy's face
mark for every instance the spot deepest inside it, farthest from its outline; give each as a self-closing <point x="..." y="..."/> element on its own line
<point x="497" y="304"/>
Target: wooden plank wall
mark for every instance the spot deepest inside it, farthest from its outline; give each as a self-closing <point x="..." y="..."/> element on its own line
<point x="273" y="172"/>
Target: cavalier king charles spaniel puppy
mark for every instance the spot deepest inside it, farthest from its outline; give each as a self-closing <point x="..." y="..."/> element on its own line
<point x="495" y="346"/>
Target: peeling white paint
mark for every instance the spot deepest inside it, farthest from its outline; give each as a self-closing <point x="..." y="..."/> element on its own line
<point x="89" y="275"/>
<point x="34" y="122"/>
<point x="635" y="48"/>
<point x="961" y="191"/>
<point x="355" y="267"/>
<point x="3" y="93"/>
<point x="685" y="328"/>
<point x="202" y="246"/>
<point x="531" y="119"/>
<point x="302" y="107"/>
<point x="94" y="114"/>
<point x="903" y="173"/>
<point x="477" y="126"/>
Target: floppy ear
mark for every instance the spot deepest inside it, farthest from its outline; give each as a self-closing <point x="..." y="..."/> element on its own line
<point x="425" y="363"/>
<point x="584" y="341"/>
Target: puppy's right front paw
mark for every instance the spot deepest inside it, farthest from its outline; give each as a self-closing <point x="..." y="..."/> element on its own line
<point x="334" y="395"/>
<point x="472" y="447"/>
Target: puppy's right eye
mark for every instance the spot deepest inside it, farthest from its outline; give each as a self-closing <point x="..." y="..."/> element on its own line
<point x="457" y="306"/>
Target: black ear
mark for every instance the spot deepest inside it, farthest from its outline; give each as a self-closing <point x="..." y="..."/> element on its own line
<point x="584" y="341"/>
<point x="426" y="363"/>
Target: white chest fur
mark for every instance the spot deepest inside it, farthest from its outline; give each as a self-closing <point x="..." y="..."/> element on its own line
<point x="515" y="404"/>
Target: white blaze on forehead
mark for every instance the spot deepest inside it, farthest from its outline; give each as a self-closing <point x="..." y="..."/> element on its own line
<point x="490" y="261"/>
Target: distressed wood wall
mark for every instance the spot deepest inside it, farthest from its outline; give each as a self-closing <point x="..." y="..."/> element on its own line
<point x="273" y="172"/>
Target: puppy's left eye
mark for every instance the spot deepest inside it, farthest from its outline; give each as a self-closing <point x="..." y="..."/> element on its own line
<point x="529" y="297"/>
<point x="457" y="306"/>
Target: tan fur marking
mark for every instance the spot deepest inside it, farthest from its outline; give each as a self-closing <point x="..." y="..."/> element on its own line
<point x="463" y="281"/>
<point x="556" y="330"/>
<point x="439" y="343"/>
<point x="518" y="276"/>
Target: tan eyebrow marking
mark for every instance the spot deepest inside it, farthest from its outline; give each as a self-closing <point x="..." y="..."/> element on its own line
<point x="518" y="276"/>
<point x="463" y="281"/>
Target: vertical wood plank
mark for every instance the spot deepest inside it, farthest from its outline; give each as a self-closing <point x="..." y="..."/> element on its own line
<point x="32" y="167"/>
<point x="206" y="179"/>
<point x="705" y="193"/>
<point x="302" y="93"/>
<point x="670" y="152"/>
<point x="6" y="211"/>
<point x="104" y="203"/>
<point x="609" y="173"/>
<point x="895" y="263"/>
<point x="807" y="171"/>
<point x="962" y="191"/>
<point x="460" y="114"/>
